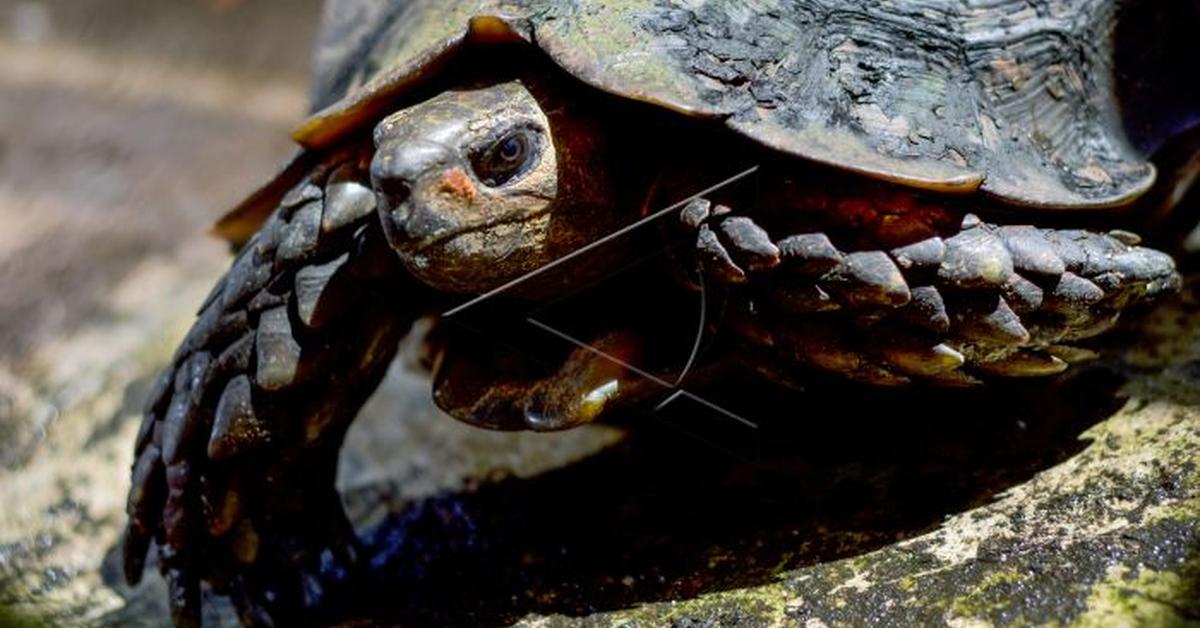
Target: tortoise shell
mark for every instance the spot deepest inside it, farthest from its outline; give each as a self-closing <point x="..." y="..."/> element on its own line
<point x="1009" y="97"/>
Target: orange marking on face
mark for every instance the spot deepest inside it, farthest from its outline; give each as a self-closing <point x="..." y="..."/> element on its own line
<point x="457" y="183"/>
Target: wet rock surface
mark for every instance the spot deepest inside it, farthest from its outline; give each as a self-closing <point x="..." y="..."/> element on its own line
<point x="1072" y="502"/>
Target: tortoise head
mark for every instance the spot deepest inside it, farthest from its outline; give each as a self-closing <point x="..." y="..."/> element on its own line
<point x="474" y="190"/>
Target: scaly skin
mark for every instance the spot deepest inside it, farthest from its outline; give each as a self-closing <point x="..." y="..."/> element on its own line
<point x="236" y="456"/>
<point x="975" y="301"/>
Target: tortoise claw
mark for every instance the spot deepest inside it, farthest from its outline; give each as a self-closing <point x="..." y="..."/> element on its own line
<point x="729" y="246"/>
<point x="751" y="244"/>
<point x="715" y="258"/>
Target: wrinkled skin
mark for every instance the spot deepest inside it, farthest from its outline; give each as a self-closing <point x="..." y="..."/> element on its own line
<point x="464" y="215"/>
<point x="483" y="184"/>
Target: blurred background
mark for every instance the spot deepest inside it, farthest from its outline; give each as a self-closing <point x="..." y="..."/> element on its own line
<point x="126" y="127"/>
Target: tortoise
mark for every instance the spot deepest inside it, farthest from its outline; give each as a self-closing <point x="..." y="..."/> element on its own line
<point x="936" y="190"/>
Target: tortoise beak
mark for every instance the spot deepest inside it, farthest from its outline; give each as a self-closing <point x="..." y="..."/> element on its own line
<point x="402" y="174"/>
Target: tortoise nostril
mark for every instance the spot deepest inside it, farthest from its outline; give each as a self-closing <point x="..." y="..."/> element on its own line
<point x="392" y="192"/>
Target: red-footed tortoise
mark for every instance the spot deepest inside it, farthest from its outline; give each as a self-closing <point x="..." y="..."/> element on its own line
<point x="937" y="191"/>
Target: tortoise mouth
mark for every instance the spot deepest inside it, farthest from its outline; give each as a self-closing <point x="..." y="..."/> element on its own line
<point x="416" y="225"/>
<point x="446" y="237"/>
<point x="473" y="257"/>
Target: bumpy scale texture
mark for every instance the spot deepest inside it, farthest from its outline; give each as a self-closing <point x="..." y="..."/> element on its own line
<point x="236" y="456"/>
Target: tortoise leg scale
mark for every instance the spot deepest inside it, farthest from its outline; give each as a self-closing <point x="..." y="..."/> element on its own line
<point x="974" y="302"/>
<point x="235" y="459"/>
<point x="729" y="245"/>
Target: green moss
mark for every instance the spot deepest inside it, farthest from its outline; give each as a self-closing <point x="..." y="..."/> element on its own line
<point x="10" y="618"/>
<point x="1146" y="597"/>
<point x="761" y="606"/>
<point x="989" y="596"/>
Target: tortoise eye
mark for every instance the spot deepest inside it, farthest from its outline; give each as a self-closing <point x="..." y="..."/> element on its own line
<point x="506" y="158"/>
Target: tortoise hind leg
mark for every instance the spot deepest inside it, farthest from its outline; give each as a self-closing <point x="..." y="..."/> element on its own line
<point x="238" y="447"/>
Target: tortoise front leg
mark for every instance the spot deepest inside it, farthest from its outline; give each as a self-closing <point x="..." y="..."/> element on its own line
<point x="236" y="456"/>
<point x="952" y="303"/>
